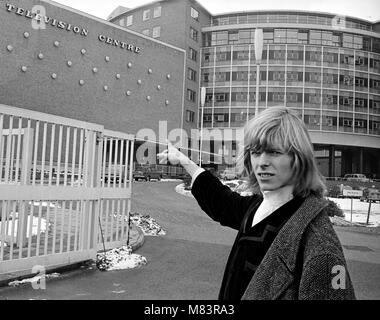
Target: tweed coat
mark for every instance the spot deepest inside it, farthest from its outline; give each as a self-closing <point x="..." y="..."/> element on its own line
<point x="304" y="262"/>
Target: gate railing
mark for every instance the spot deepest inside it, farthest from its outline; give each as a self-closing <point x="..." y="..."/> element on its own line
<point x="59" y="178"/>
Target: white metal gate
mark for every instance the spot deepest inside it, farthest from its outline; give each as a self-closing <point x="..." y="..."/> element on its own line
<point x="58" y="178"/>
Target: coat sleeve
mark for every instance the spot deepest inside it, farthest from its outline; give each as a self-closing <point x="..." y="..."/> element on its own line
<point x="325" y="277"/>
<point x="219" y="202"/>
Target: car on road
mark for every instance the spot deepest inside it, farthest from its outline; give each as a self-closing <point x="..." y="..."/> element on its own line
<point x="139" y="175"/>
<point x="228" y="174"/>
<point x="355" y="177"/>
<point x="147" y="175"/>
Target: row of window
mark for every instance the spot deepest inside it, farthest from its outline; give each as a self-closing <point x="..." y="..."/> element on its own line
<point x="311" y="97"/>
<point x="313" y="121"/>
<point x="293" y="36"/>
<point x="298" y="18"/>
<point x="147" y="14"/>
<point x="359" y="61"/>
<point x="156" y="32"/>
<point x="328" y="78"/>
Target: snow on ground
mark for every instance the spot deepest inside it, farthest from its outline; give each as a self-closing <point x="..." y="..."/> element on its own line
<point x="35" y="279"/>
<point x="119" y="259"/>
<point x="148" y="225"/>
<point x="359" y="211"/>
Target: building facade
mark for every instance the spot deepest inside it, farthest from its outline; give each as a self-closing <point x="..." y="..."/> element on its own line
<point x="57" y="60"/>
<point x="325" y="67"/>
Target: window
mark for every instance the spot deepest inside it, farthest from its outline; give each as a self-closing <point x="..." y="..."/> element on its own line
<point x="347" y="122"/>
<point x="194" y="14"/>
<point x="193" y="54"/>
<point x="122" y="22"/>
<point x="156" y="32"/>
<point x="359" y="82"/>
<point x="220" y="97"/>
<point x="129" y="20"/>
<point x="191" y="95"/>
<point x="190" y="116"/>
<point x="146" y="32"/>
<point x="359" y="102"/>
<point x="207" y="56"/>
<point x="157" y="12"/>
<point x="191" y="74"/>
<point x="359" y="123"/>
<point x="146" y="15"/>
<point x="279" y="76"/>
<point x="193" y="34"/>
<point x="219" y="117"/>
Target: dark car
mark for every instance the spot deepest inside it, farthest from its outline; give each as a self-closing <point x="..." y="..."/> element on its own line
<point x="153" y="175"/>
<point x="139" y="175"/>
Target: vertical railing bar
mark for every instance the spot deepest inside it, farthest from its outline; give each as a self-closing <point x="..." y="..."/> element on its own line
<point x="55" y="227"/>
<point x="21" y="217"/>
<point x="104" y="161"/>
<point x="106" y="220"/>
<point x="19" y="137"/>
<point x="118" y="215"/>
<point x="66" y="155"/>
<point x="52" y="144"/>
<point x="3" y="227"/>
<point x="83" y="227"/>
<point x="59" y="155"/>
<point x="115" y="162"/>
<point x="122" y="218"/>
<point x="13" y="215"/>
<point x="112" y="217"/>
<point x="1" y="145"/>
<point x="100" y="220"/>
<point x="74" y="157"/>
<point x="110" y="161"/>
<point x="36" y="137"/>
<point x="80" y="156"/>
<point x="39" y="229"/>
<point x="131" y="164"/>
<point x="8" y="150"/>
<point x="62" y="226"/>
<point x="121" y="162"/>
<point x="27" y="147"/>
<point x="77" y="218"/>
<point x="69" y="228"/>
<point x="43" y="155"/>
<point x="30" y="233"/>
<point x="93" y="169"/>
<point x="126" y="164"/>
<point x="89" y="226"/>
<point x="86" y="158"/>
<point x="11" y="159"/>
<point x="47" y="228"/>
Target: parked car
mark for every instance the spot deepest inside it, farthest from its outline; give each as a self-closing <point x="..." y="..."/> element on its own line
<point x="355" y="177"/>
<point x="371" y="194"/>
<point x="139" y="175"/>
<point x="228" y="174"/>
<point x="153" y="175"/>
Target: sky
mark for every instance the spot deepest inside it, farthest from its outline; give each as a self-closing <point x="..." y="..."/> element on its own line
<point x="364" y="9"/>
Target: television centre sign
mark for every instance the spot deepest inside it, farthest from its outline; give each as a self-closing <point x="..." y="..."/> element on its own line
<point x="40" y="20"/>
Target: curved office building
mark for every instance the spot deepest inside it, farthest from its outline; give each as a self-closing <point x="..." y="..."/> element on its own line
<point x="326" y="68"/>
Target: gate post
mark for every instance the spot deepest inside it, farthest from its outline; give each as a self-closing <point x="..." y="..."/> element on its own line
<point x="92" y="167"/>
<point x="26" y="170"/>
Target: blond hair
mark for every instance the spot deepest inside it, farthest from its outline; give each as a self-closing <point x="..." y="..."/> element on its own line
<point x="280" y="127"/>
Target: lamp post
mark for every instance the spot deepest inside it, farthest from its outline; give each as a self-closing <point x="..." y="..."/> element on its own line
<point x="259" y="40"/>
<point x="203" y="100"/>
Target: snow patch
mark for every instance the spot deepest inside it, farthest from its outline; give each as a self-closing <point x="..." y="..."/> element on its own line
<point x="119" y="259"/>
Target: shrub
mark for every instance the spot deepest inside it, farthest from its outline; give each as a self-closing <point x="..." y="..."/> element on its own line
<point x="333" y="209"/>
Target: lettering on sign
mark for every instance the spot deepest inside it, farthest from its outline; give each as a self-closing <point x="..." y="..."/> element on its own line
<point x="352" y="193"/>
<point x="40" y="20"/>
